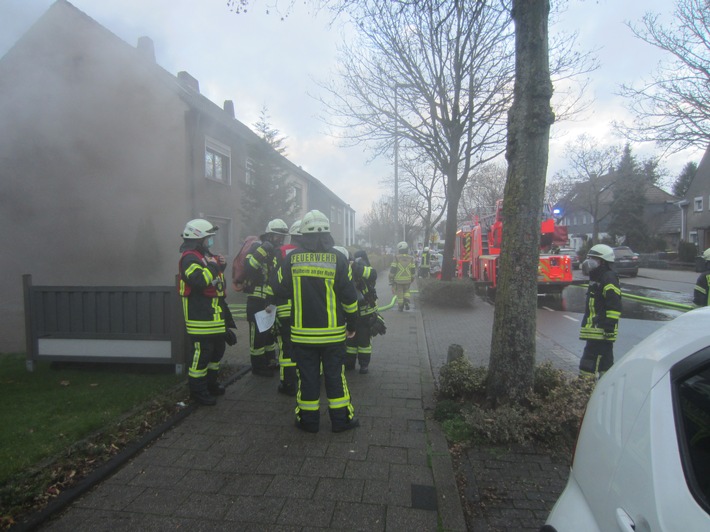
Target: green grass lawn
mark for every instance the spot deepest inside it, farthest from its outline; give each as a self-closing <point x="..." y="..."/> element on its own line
<point x="46" y="411"/>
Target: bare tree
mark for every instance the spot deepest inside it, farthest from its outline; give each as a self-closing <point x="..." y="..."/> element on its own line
<point x="434" y="76"/>
<point x="512" y="357"/>
<point x="485" y="187"/>
<point x="378" y="223"/>
<point x="589" y="178"/>
<point x="673" y="108"/>
<point x="424" y="183"/>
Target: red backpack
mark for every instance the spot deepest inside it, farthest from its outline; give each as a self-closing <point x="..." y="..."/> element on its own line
<point x="239" y="280"/>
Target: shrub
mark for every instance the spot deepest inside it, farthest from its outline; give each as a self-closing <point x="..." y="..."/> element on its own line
<point x="456" y="293"/>
<point x="460" y="380"/>
<point x="550" y="416"/>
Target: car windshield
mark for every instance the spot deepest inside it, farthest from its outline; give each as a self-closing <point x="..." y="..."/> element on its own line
<point x="621" y="253"/>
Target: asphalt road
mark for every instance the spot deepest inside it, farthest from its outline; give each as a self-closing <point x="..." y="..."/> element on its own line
<point x="559" y="318"/>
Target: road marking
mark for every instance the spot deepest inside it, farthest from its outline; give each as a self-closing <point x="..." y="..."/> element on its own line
<point x="570" y="317"/>
<point x="548" y="308"/>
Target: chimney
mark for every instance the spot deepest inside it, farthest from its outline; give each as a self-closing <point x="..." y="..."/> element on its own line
<point x="187" y="81"/>
<point x="229" y="107"/>
<point x="146" y="48"/>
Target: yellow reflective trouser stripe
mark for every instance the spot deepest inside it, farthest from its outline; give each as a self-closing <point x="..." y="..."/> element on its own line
<point x="613" y="314"/>
<point x="254" y="351"/>
<point x="308" y="405"/>
<point x="351" y="350"/>
<point x="193" y="371"/>
<point x="317" y="336"/>
<point x="213" y="366"/>
<point x="344" y="401"/>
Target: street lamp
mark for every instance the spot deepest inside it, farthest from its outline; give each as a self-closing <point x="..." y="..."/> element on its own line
<point x="396" y="163"/>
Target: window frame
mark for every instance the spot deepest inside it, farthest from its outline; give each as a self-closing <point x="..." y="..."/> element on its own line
<point x="223" y="151"/>
<point x="698" y="204"/>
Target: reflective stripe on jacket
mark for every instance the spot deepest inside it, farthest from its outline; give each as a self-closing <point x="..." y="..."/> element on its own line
<point x="322" y="293"/>
<point x="202" y="289"/>
<point x="402" y="269"/>
<point x="603" y="308"/>
<point x="701" y="294"/>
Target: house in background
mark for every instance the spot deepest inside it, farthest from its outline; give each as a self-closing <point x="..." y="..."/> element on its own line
<point x="696" y="207"/>
<point x="661" y="208"/>
<point x="104" y="156"/>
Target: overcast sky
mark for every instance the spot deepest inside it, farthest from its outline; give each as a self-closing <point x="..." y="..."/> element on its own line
<point x="259" y="60"/>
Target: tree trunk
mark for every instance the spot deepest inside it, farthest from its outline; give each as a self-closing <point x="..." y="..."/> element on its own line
<point x="454" y="192"/>
<point x="512" y="358"/>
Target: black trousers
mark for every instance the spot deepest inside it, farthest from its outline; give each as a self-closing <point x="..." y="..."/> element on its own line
<point x="207" y="353"/>
<point x="262" y="345"/>
<point x="308" y="360"/>
<point x="598" y="357"/>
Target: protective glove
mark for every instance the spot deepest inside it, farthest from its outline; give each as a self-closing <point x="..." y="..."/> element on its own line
<point x="377" y="325"/>
<point x="265" y="250"/>
<point x="230" y="337"/>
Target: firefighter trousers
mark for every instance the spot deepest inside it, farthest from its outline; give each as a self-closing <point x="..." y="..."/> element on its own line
<point x="597" y="358"/>
<point x="207" y="353"/>
<point x="401" y="291"/>
<point x="359" y="348"/>
<point x="287" y="367"/>
<point x="308" y="360"/>
<point x="262" y="345"/>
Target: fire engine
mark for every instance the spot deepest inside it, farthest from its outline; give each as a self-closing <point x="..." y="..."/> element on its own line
<point x="477" y="251"/>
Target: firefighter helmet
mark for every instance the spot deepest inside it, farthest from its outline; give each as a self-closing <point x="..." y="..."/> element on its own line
<point x="198" y="229"/>
<point x="402" y="247"/>
<point x="342" y="250"/>
<point x="601" y="251"/>
<point x="276" y="226"/>
<point x="295" y="228"/>
<point x="315" y="222"/>
<point x="706" y="254"/>
<point x="426" y="250"/>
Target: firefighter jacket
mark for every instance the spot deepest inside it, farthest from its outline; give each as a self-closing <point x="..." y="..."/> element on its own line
<point x="283" y="306"/>
<point x="319" y="283"/>
<point x="402" y="270"/>
<point x="603" y="306"/>
<point x="425" y="261"/>
<point x="201" y="287"/>
<point x="261" y="263"/>
<point x="701" y="294"/>
<point x="364" y="278"/>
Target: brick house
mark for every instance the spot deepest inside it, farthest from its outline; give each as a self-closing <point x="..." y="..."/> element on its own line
<point x="696" y="207"/>
<point x="104" y="156"/>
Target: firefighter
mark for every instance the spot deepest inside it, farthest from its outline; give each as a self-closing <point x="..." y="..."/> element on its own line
<point x="318" y="280"/>
<point x="288" y="382"/>
<point x="701" y="293"/>
<point x="424" y="265"/>
<point x="359" y="348"/>
<point x="402" y="275"/>
<point x="600" y="324"/>
<point x="208" y="321"/>
<point x="261" y="263"/>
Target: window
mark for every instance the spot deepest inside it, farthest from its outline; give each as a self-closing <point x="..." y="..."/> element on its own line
<point x="692" y="407"/>
<point x="222" y="238"/>
<point x="217" y="161"/>
<point x="698" y="204"/>
<point x="249" y="171"/>
<point x="297" y="195"/>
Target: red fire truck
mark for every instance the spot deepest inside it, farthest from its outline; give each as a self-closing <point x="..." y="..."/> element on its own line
<point x="478" y="248"/>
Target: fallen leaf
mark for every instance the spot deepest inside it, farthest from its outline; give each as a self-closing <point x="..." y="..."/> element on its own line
<point x="64" y="383"/>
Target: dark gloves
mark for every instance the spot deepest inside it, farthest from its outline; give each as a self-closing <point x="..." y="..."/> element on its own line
<point x="265" y="250"/>
<point x="230" y="337"/>
<point x="377" y="325"/>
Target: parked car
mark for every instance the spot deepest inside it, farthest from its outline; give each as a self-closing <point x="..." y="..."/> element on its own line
<point x="626" y="262"/>
<point x="572" y="254"/>
<point x="642" y="459"/>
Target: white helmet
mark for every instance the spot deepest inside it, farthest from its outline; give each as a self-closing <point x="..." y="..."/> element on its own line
<point x="426" y="250"/>
<point x="295" y="228"/>
<point x="706" y="254"/>
<point x="342" y="250"/>
<point x="601" y="251"/>
<point x="277" y="226"/>
<point x="315" y="222"/>
<point x="198" y="229"/>
<point x="403" y="247"/>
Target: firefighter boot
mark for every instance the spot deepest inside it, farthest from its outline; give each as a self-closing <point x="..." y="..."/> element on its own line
<point x="199" y="392"/>
<point x="213" y="387"/>
<point x="406" y="303"/>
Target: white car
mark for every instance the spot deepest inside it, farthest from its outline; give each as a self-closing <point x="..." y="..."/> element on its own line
<point x="642" y="460"/>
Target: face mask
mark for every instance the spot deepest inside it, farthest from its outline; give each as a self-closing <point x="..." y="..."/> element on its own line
<point x="210" y="242"/>
<point x="589" y="265"/>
